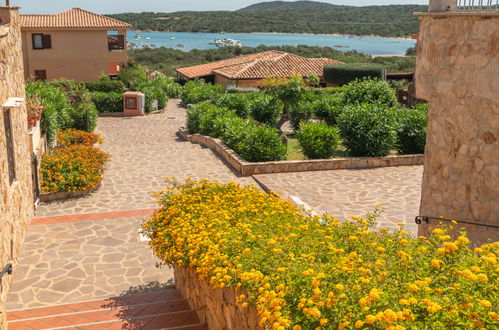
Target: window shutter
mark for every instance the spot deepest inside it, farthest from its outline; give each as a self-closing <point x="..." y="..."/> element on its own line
<point x="47" y="41"/>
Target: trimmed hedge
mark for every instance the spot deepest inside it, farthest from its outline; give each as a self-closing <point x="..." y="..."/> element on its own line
<point x="240" y="103"/>
<point x="107" y="86"/>
<point x="369" y="91"/>
<point x="318" y="140"/>
<point x="341" y="74"/>
<point x="108" y="102"/>
<point x="196" y="91"/>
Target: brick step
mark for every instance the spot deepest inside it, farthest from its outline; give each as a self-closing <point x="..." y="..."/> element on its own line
<point x="164" y="309"/>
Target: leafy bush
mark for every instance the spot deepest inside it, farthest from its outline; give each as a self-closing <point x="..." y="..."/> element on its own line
<point x="341" y="74"/>
<point x="329" y="107"/>
<point x="411" y="132"/>
<point x="73" y="136"/>
<point x="261" y="143"/>
<point x="132" y="75"/>
<point x="153" y="93"/>
<point x="210" y="114"/>
<point x="301" y="112"/>
<point x="266" y="109"/>
<point x="106" y="86"/>
<point x="369" y="91"/>
<point x="240" y="103"/>
<point x="318" y="140"/>
<point x="108" y="102"/>
<point x="303" y="272"/>
<point x="169" y="86"/>
<point x="196" y="91"/>
<point x="368" y="129"/>
<point x="73" y="168"/>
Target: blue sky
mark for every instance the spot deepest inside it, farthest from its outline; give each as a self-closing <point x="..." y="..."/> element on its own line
<point x="120" y="6"/>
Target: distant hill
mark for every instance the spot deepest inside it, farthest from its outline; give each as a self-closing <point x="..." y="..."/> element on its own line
<point x="286" y="5"/>
<point x="386" y="21"/>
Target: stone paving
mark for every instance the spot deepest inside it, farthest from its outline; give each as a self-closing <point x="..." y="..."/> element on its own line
<point x="144" y="150"/>
<point x="343" y="193"/>
<point x="78" y="261"/>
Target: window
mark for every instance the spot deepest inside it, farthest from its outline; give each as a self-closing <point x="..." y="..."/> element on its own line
<point x="42" y="41"/>
<point x="40" y="74"/>
<point x="9" y="140"/>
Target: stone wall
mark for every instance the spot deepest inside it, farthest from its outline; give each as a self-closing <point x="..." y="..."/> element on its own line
<point x="457" y="71"/>
<point x="215" y="307"/>
<point x="16" y="199"/>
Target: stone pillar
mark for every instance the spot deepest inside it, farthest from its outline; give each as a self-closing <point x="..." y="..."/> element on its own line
<point x="457" y="71"/>
<point x="442" y="5"/>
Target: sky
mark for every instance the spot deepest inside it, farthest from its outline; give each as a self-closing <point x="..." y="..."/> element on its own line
<point x="120" y="6"/>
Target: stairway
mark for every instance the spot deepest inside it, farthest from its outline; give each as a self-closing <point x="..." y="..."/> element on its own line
<point x="164" y="309"/>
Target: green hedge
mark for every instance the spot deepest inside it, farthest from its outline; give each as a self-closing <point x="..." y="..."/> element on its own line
<point x="107" y="86"/>
<point x="341" y="74"/>
<point x="318" y="140"/>
<point x="300" y="112"/>
<point x="329" y="107"/>
<point x="266" y="109"/>
<point x="411" y="132"/>
<point x="196" y="91"/>
<point x="369" y="91"/>
<point x="108" y="102"/>
<point x="240" y="103"/>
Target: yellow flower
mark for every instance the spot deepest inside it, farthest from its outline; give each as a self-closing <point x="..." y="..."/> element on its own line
<point x="359" y="324"/>
<point x="485" y="303"/>
<point x="433" y="308"/>
<point x="436" y="263"/>
<point x="437" y="231"/>
<point x="450" y="246"/>
<point x="353" y="238"/>
<point x="370" y="319"/>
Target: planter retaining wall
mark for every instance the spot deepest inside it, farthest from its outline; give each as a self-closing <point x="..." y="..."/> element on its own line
<point x="215" y="307"/>
<point x="245" y="168"/>
<point x="50" y="197"/>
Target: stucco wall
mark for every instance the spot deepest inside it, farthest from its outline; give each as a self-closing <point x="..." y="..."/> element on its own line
<point x="457" y="71"/>
<point x="16" y="199"/>
<point x="79" y="55"/>
<point x="237" y="83"/>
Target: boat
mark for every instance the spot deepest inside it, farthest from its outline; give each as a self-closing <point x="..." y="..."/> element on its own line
<point x="148" y="38"/>
<point x="172" y="38"/>
<point x="223" y="42"/>
<point x="137" y="36"/>
<point x="341" y="46"/>
<point x="181" y="46"/>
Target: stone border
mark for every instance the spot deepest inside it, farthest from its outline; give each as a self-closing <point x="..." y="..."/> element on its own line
<point x="215" y="307"/>
<point x="122" y="114"/>
<point x="51" y="197"/>
<point x="245" y="168"/>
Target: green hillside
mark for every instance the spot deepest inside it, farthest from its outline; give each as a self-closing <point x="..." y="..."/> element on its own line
<point x="286" y="5"/>
<point x="388" y="21"/>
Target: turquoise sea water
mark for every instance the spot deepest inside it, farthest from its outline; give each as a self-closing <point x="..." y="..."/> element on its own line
<point x="368" y="45"/>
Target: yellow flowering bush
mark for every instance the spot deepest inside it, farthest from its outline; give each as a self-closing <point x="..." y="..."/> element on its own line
<point x="303" y="272"/>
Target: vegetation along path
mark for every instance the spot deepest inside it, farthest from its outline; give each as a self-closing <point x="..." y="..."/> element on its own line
<point x="84" y="263"/>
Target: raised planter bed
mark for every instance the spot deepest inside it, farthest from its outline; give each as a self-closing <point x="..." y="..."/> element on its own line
<point x="215" y="307"/>
<point x="245" y="168"/>
<point x="50" y="197"/>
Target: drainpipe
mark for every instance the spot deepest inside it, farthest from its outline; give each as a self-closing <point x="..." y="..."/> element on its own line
<point x="442" y="5"/>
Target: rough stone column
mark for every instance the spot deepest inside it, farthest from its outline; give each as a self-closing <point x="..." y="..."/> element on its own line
<point x="457" y="71"/>
<point x="442" y="5"/>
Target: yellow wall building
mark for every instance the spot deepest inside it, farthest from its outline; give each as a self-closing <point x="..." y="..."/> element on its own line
<point x="74" y="44"/>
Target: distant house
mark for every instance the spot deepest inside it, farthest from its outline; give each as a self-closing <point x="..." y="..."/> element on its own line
<point x="75" y="44"/>
<point x="251" y="70"/>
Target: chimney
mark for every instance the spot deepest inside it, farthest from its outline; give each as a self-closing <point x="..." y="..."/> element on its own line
<point x="7" y="3"/>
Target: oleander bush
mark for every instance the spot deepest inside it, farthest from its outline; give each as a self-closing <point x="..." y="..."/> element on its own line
<point x="302" y="111"/>
<point x="266" y="109"/>
<point x="105" y="86"/>
<point x="72" y="168"/>
<point x="368" y="129"/>
<point x="73" y="136"/>
<point x="196" y="91"/>
<point x="328" y="107"/>
<point x="318" y="140"/>
<point x="369" y="91"/>
<point x="303" y="272"/>
<point x="171" y="88"/>
<point x="153" y="93"/>
<point x="411" y="132"/>
<point x="261" y="143"/>
<point x="108" y="101"/>
<point x="240" y="103"/>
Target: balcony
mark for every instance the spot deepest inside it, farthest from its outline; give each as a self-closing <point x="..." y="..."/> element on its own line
<point x="116" y="42"/>
<point x="477" y="5"/>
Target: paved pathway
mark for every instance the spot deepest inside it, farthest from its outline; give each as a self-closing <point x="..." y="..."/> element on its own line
<point x="343" y="193"/>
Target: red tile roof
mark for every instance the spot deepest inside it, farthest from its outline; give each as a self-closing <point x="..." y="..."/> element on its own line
<point x="260" y="65"/>
<point x="74" y="18"/>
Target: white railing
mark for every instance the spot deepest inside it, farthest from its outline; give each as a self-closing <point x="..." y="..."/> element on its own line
<point x="477" y="5"/>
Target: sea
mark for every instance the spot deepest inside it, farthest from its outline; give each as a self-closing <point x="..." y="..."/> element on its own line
<point x="196" y="40"/>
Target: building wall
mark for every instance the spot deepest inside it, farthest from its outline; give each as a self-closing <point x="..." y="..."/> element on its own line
<point x="457" y="71"/>
<point x="16" y="199"/>
<point x="221" y="80"/>
<point x="79" y="55"/>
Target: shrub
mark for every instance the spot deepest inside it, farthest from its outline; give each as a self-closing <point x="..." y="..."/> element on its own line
<point x="369" y="91"/>
<point x="106" y="86"/>
<point x="73" y="168"/>
<point x="301" y="112"/>
<point x="153" y="93"/>
<point x="314" y="272"/>
<point x="240" y="103"/>
<point x="84" y="116"/>
<point x="368" y="129"/>
<point x="411" y="132"/>
<point x="329" y="107"/>
<point x="194" y="114"/>
<point x="196" y="91"/>
<point x="206" y="124"/>
<point x="341" y="74"/>
<point x="73" y="136"/>
<point x="169" y="86"/>
<point x="318" y="140"/>
<point x="108" y="102"/>
<point x="132" y="75"/>
<point x="261" y="143"/>
<point x="266" y="109"/>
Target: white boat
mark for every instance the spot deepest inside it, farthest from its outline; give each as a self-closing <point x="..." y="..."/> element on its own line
<point x="148" y="38"/>
<point x="223" y="42"/>
<point x="137" y="36"/>
<point x="173" y="38"/>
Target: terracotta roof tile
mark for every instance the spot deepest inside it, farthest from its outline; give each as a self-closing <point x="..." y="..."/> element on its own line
<point x="261" y="65"/>
<point x="74" y="18"/>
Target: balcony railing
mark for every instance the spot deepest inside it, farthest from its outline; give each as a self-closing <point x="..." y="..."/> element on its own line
<point x="116" y="42"/>
<point x="477" y="5"/>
